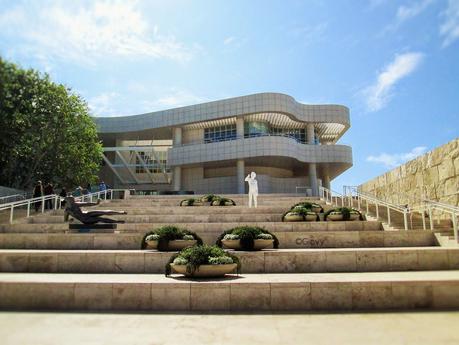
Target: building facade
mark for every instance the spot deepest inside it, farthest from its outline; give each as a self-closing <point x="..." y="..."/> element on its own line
<point x="211" y="147"/>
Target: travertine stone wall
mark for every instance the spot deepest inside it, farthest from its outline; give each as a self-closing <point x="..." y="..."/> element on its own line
<point x="435" y="175"/>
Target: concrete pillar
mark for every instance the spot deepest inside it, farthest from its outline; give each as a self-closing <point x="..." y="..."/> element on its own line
<point x="177" y="136"/>
<point x="240" y="127"/>
<point x="177" y="178"/>
<point x="313" y="179"/>
<point x="240" y="176"/>
<point x="310" y="133"/>
<point x="326" y="180"/>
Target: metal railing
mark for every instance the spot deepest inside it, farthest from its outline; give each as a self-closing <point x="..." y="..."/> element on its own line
<point x="248" y="136"/>
<point x="331" y="197"/>
<point x="352" y="193"/>
<point x="54" y="202"/>
<point x="12" y="198"/>
<point x="429" y="206"/>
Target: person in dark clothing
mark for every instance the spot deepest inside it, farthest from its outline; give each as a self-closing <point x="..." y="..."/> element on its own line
<point x="63" y="194"/>
<point x="37" y="193"/>
<point x="48" y="190"/>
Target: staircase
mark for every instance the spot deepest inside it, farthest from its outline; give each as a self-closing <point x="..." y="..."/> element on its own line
<point x="349" y="265"/>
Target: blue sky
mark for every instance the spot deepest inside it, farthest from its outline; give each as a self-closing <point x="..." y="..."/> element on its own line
<point x="393" y="63"/>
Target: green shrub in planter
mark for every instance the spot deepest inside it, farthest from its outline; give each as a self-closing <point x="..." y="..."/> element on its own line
<point x="196" y="256"/>
<point x="309" y="205"/>
<point x="301" y="212"/>
<point x="247" y="236"/>
<point x="219" y="201"/>
<point x="209" y="198"/>
<point x="167" y="233"/>
<point x="345" y="211"/>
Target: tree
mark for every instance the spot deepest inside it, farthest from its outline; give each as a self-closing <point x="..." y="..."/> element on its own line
<point x="46" y="132"/>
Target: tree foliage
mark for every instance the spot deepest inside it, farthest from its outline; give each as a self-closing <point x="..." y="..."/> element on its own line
<point x="46" y="132"/>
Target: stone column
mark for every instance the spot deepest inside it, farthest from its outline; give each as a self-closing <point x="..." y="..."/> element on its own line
<point x="177" y="178"/>
<point x="240" y="127"/>
<point x="313" y="179"/>
<point x="310" y="133"/>
<point x="326" y="180"/>
<point x="240" y="176"/>
<point x="177" y="136"/>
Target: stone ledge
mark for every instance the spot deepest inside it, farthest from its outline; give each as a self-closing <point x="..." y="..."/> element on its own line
<point x="306" y="239"/>
<point x="267" y="261"/>
<point x="246" y="293"/>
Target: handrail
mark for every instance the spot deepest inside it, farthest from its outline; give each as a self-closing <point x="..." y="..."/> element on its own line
<point x="19" y="196"/>
<point x="248" y="136"/>
<point x="56" y="201"/>
<point x="429" y="205"/>
<point x="352" y="192"/>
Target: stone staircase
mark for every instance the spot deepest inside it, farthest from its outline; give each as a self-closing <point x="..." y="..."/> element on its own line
<point x="319" y="266"/>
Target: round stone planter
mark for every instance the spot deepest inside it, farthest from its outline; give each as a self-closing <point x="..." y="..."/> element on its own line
<point x="354" y="216"/>
<point x="205" y="271"/>
<point x="316" y="209"/>
<point x="335" y="217"/>
<point x="257" y="245"/>
<point x="196" y="203"/>
<point x="216" y="203"/>
<point x="174" y="245"/>
<point x="293" y="217"/>
<point x="310" y="217"/>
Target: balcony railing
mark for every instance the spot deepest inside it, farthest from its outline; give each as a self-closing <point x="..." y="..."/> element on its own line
<point x="246" y="136"/>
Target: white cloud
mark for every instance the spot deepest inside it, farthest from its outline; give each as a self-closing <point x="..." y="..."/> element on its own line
<point x="449" y="29"/>
<point x="229" y="40"/>
<point x="87" y="33"/>
<point x="178" y="98"/>
<point x="379" y="94"/>
<point x="396" y="159"/>
<point x="416" y="8"/>
<point x="405" y="13"/>
<point x="104" y="104"/>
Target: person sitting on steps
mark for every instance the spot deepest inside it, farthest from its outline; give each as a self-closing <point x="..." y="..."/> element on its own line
<point x="73" y="208"/>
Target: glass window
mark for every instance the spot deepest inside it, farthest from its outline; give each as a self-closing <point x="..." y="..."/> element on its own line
<point x="255" y="128"/>
<point x="220" y="133"/>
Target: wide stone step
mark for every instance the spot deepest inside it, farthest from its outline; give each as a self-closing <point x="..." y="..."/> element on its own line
<point x="208" y="227"/>
<point x="293" y="239"/>
<point x="187" y="210"/>
<point x="176" y="219"/>
<point x="266" y="261"/>
<point x="244" y="293"/>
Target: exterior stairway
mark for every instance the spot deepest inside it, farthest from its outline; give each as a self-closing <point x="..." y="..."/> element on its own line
<point x="320" y="265"/>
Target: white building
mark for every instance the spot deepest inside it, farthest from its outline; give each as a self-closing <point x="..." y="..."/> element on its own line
<point x="211" y="147"/>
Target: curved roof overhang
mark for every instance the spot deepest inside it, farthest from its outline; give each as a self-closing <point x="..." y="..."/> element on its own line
<point x="331" y="121"/>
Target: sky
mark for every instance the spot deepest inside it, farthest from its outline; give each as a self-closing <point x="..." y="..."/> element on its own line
<point x="395" y="64"/>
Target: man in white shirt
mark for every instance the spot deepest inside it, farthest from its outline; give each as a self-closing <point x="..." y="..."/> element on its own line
<point x="253" y="188"/>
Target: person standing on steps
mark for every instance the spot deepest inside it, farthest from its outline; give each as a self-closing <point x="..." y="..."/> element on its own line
<point x="253" y="188"/>
<point x="37" y="193"/>
<point x="48" y="190"/>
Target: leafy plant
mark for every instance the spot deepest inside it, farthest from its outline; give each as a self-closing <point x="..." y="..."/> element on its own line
<point x="196" y="256"/>
<point x="220" y="201"/>
<point x="308" y="205"/>
<point x="345" y="211"/>
<point x="168" y="233"/>
<point x="188" y="202"/>
<point x="247" y="235"/>
<point x="209" y="198"/>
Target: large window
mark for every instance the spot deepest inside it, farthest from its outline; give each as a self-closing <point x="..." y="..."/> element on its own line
<point x="256" y="128"/>
<point x="220" y="133"/>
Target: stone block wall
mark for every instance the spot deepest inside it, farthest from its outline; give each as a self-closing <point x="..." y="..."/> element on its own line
<point x="435" y="176"/>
